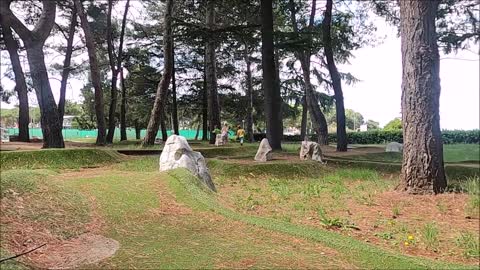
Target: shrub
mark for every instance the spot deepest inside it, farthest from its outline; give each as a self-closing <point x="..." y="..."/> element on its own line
<point x="386" y="136"/>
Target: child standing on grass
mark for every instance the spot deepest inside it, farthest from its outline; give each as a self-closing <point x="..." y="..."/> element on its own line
<point x="240" y="134"/>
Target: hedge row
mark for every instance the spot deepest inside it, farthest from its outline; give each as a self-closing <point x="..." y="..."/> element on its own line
<point x="386" y="136"/>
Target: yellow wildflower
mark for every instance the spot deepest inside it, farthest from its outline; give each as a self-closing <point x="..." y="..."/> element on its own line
<point x="406" y="243"/>
<point x="410" y="237"/>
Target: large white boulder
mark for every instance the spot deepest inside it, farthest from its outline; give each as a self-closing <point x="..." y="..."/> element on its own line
<point x="177" y="153"/>
<point x="394" y="147"/>
<point x="264" y="152"/>
<point x="311" y="150"/>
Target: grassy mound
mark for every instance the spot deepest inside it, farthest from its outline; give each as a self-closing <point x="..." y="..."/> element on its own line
<point x="57" y="158"/>
<point x="189" y="191"/>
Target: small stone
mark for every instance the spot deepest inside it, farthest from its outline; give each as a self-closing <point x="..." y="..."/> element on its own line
<point x="264" y="152"/>
<point x="394" y="147"/>
<point x="311" y="151"/>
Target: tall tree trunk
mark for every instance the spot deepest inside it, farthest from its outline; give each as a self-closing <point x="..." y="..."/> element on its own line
<point x="342" y="140"/>
<point x="174" y="95"/>
<point x="211" y="74"/>
<point x="137" y="129"/>
<point x="249" y="95"/>
<point x="422" y="169"/>
<point x="303" y="127"/>
<point x="198" y="129"/>
<point x="20" y="84"/>
<point x="50" y="121"/>
<point x="310" y="99"/>
<point x="273" y="100"/>
<point x="205" y="107"/>
<point x="34" y="41"/>
<point x="162" y="89"/>
<point x="94" y="74"/>
<point x="115" y="65"/>
<point x="123" y="108"/>
<point x="163" y="126"/>
<point x="66" y="65"/>
<point x="113" y="85"/>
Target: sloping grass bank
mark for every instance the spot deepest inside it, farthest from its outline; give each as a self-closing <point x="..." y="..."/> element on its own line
<point x="188" y="190"/>
<point x="57" y="159"/>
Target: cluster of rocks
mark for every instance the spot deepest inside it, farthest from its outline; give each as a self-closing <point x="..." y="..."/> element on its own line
<point x="177" y="153"/>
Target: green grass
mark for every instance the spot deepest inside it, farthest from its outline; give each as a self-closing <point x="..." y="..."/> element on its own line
<point x="57" y="158"/>
<point x="451" y="153"/>
<point x="470" y="244"/>
<point x="364" y="255"/>
<point x="430" y="234"/>
<point x="33" y="197"/>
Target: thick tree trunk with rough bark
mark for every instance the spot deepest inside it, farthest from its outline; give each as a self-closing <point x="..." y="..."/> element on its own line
<point x="20" y="84"/>
<point x="50" y="120"/>
<point x="34" y="41"/>
<point x="249" y="94"/>
<point x="174" y="95"/>
<point x="273" y="100"/>
<point x="211" y="73"/>
<point x="342" y="140"/>
<point x="162" y="89"/>
<point x="94" y="74"/>
<point x="66" y="65"/>
<point x="123" y="108"/>
<point x="422" y="169"/>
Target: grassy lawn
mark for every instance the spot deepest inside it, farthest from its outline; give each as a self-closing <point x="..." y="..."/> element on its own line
<point x="283" y="214"/>
<point x="465" y="153"/>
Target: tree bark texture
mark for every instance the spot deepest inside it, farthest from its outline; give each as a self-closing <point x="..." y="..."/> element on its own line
<point x="211" y="73"/>
<point x="303" y="127"/>
<point x="204" y="107"/>
<point x="123" y="108"/>
<point x="34" y="41"/>
<point x="174" y="94"/>
<point x="249" y="94"/>
<point x="342" y="140"/>
<point x="20" y="83"/>
<point x="94" y="74"/>
<point x="273" y="100"/>
<point x="162" y="89"/>
<point x="115" y="65"/>
<point x="422" y="168"/>
<point x="310" y="100"/>
<point x="67" y="65"/>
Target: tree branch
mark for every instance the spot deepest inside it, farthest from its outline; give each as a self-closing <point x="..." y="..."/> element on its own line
<point x="47" y="19"/>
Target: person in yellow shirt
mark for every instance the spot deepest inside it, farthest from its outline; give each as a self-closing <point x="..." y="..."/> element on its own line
<point x="240" y="134"/>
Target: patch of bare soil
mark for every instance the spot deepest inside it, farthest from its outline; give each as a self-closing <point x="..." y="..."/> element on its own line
<point x="446" y="211"/>
<point x="84" y="250"/>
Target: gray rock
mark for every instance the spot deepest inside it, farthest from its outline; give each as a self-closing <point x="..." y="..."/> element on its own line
<point x="218" y="140"/>
<point x="312" y="151"/>
<point x="394" y="147"/>
<point x="177" y="153"/>
<point x="264" y="152"/>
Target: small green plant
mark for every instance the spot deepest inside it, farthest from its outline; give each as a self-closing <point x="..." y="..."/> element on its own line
<point x="385" y="235"/>
<point x="251" y="203"/>
<point x="334" y="222"/>
<point x="280" y="187"/>
<point x="396" y="211"/>
<point x="312" y="190"/>
<point x="472" y="187"/>
<point x="470" y="245"/>
<point x="430" y="234"/>
<point x="442" y="207"/>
